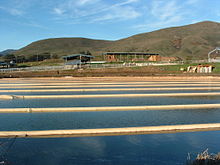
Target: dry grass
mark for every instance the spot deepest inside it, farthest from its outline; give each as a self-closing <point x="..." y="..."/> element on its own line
<point x="187" y="42"/>
<point x="205" y="158"/>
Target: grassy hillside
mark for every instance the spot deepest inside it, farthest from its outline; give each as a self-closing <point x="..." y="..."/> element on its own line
<point x="6" y="52"/>
<point x="63" y="46"/>
<point x="188" y="42"/>
<point x="191" y="41"/>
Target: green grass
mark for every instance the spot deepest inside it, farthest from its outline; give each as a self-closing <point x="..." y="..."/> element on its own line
<point x="163" y="69"/>
<point x="52" y="62"/>
<point x="217" y="68"/>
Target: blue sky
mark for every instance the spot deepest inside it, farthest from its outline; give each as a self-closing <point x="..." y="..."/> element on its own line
<point x="25" y="21"/>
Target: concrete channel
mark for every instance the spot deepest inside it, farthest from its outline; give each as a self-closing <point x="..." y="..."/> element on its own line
<point x="109" y="131"/>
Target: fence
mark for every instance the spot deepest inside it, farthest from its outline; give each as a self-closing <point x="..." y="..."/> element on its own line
<point x="39" y="68"/>
<point x="97" y="66"/>
<point x="90" y="66"/>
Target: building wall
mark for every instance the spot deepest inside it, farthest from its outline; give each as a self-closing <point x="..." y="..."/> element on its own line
<point x="154" y="58"/>
<point x="110" y="58"/>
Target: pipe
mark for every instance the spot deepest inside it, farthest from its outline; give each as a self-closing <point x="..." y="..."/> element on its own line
<point x="107" y="95"/>
<point x="125" y="83"/>
<point x="6" y="97"/>
<point x="117" y="108"/>
<point x="110" y="89"/>
<point x="133" y="85"/>
<point x="111" y="131"/>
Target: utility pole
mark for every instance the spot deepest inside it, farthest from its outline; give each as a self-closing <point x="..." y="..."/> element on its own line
<point x="80" y="57"/>
<point x="37" y="54"/>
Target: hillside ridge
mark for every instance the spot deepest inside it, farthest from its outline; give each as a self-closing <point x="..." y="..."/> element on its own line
<point x="192" y="41"/>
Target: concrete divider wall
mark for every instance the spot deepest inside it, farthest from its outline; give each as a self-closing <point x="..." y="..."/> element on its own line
<point x="99" y="86"/>
<point x="110" y="89"/>
<point x="102" y="83"/>
<point x="110" y="131"/>
<point x="6" y="97"/>
<point x="116" y="108"/>
<point x="107" y="95"/>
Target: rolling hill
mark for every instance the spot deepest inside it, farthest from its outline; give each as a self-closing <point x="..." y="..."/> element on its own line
<point x="192" y="41"/>
<point x="63" y="46"/>
<point x="6" y="52"/>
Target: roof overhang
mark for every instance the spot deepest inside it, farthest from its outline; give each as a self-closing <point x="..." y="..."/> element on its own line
<point x="77" y="55"/>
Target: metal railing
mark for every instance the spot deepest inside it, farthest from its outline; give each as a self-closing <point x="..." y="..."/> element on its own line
<point x="96" y="66"/>
<point x="39" y="68"/>
<point x="89" y="66"/>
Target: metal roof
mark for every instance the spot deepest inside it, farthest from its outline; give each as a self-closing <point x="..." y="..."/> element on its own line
<point x="78" y="55"/>
<point x="3" y="63"/>
<point x="129" y="53"/>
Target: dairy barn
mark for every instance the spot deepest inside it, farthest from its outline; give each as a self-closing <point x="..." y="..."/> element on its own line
<point x="136" y="56"/>
<point x="130" y="56"/>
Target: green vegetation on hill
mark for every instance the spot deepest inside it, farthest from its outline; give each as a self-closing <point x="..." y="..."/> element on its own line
<point x="187" y="42"/>
<point x="62" y="46"/>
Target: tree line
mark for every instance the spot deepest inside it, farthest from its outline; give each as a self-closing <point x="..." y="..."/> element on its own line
<point x="30" y="58"/>
<point x="34" y="57"/>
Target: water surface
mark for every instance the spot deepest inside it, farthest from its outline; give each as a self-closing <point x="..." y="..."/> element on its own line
<point x="159" y="149"/>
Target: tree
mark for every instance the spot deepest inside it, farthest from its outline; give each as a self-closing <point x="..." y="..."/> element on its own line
<point x="86" y="52"/>
<point x="20" y="59"/>
<point x="55" y="56"/>
<point x="9" y="57"/>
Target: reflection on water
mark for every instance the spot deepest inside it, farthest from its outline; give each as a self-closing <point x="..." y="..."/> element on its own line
<point x="109" y="92"/>
<point x="95" y="102"/>
<point x="161" y="149"/>
<point x="87" y="120"/>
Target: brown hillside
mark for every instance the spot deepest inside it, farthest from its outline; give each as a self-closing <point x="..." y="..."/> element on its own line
<point x="63" y="46"/>
<point x="191" y="41"/>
